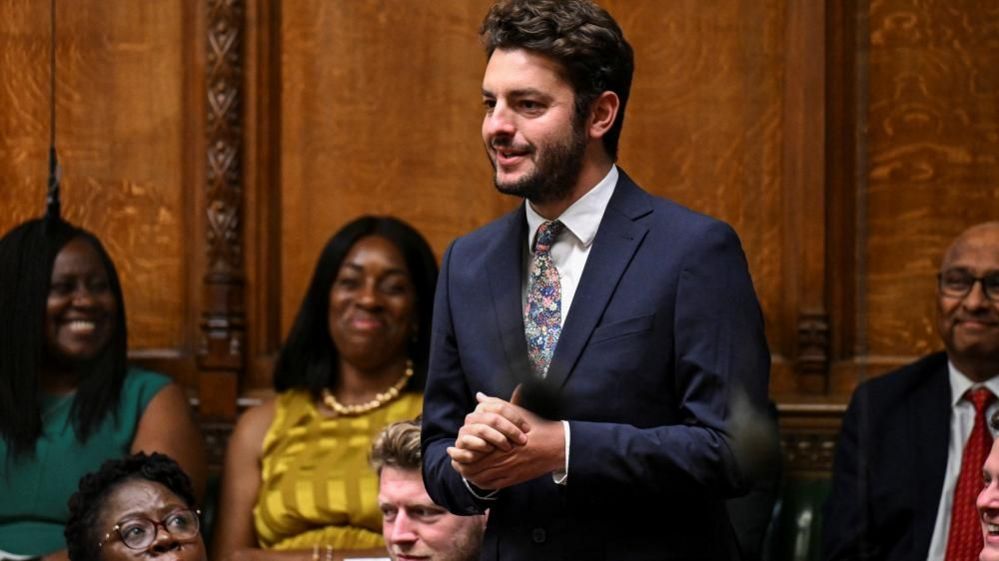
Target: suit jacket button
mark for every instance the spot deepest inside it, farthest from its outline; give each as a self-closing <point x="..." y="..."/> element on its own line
<point x="538" y="535"/>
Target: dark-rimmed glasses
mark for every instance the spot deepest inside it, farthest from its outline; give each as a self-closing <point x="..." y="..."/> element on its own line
<point x="140" y="533"/>
<point x="957" y="283"/>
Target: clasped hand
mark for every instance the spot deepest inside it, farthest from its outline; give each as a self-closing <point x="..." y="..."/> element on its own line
<point x="502" y="444"/>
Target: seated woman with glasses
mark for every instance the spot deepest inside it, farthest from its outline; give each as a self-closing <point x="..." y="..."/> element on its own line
<point x="139" y="506"/>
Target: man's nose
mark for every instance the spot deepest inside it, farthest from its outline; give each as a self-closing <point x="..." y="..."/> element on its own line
<point x="976" y="298"/>
<point x="499" y="122"/>
<point x="403" y="529"/>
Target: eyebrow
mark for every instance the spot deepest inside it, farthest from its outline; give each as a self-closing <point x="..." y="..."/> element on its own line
<point x="392" y="271"/>
<point x="523" y="92"/>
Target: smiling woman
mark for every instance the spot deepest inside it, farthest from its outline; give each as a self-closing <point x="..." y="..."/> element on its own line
<point x="68" y="399"/>
<point x="296" y="479"/>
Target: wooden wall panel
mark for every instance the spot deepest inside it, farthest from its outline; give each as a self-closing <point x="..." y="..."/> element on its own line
<point x="934" y="158"/>
<point x="120" y="138"/>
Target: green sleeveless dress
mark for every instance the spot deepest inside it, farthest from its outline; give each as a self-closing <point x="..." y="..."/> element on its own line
<point x="34" y="489"/>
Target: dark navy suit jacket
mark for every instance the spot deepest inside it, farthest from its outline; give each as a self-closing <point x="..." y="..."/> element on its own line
<point x="663" y="329"/>
<point x="889" y="467"/>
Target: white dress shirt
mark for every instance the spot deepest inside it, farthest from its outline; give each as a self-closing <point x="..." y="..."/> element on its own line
<point x="962" y="420"/>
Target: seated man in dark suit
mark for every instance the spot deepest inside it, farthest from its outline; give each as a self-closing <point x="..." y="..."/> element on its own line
<point x="909" y="461"/>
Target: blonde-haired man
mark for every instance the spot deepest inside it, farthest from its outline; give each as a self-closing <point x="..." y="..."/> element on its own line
<point x="414" y="527"/>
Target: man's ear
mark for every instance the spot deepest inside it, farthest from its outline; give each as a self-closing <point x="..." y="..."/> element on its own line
<point x="603" y="114"/>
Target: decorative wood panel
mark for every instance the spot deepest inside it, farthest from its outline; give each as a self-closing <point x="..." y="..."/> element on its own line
<point x="222" y="347"/>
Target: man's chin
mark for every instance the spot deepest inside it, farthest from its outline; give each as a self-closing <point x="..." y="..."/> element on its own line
<point x="519" y="188"/>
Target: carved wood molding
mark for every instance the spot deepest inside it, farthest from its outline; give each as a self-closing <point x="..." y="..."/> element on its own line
<point x="805" y="194"/>
<point x="808" y="453"/>
<point x="813" y="346"/>
<point x="808" y="434"/>
<point x="221" y="352"/>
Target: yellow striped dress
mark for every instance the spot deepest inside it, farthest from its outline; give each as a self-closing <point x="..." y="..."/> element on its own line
<point x="317" y="487"/>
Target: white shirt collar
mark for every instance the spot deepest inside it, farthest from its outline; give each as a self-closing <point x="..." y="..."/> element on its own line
<point x="959" y="383"/>
<point x="583" y="217"/>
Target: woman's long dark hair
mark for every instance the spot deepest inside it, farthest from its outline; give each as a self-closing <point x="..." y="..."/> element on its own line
<point x="27" y="254"/>
<point x="309" y="359"/>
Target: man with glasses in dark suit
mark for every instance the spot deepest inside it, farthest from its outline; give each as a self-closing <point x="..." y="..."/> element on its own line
<point x="909" y="461"/>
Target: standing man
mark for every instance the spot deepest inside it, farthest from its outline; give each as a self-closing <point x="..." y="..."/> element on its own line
<point x="413" y="526"/>
<point x="630" y="322"/>
<point x="908" y="464"/>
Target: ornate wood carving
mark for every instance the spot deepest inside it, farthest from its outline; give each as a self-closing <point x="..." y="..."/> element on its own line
<point x="221" y="352"/>
<point x="808" y="433"/>
<point x="813" y="345"/>
<point x="808" y="452"/>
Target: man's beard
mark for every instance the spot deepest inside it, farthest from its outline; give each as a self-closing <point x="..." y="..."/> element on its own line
<point x="555" y="172"/>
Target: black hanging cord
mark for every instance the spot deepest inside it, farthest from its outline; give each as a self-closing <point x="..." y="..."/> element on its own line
<point x="52" y="204"/>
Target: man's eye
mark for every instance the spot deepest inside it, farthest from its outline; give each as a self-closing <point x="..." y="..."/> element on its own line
<point x="956" y="280"/>
<point x="388" y="513"/>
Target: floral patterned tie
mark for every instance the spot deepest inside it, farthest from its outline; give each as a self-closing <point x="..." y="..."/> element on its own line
<point x="543" y="312"/>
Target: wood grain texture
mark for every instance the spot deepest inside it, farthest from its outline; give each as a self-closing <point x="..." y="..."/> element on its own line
<point x="119" y="120"/>
<point x="934" y="156"/>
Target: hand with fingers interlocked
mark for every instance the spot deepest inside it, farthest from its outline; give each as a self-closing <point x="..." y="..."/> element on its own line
<point x="502" y="444"/>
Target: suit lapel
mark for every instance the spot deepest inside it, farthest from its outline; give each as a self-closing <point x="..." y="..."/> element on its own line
<point x="505" y="276"/>
<point x="618" y="237"/>
<point x="930" y="416"/>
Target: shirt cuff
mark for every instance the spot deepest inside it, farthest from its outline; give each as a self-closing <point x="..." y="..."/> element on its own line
<point x="562" y="477"/>
<point x="481" y="494"/>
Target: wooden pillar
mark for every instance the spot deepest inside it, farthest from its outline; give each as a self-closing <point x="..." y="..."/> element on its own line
<point x="221" y="350"/>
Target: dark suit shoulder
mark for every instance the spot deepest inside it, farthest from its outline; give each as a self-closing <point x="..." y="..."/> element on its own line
<point x="905" y="380"/>
<point x="681" y="226"/>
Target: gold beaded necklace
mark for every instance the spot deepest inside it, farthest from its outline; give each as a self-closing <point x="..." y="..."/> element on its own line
<point x="330" y="401"/>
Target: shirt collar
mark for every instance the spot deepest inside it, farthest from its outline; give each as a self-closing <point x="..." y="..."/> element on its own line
<point x="583" y="217"/>
<point x="959" y="383"/>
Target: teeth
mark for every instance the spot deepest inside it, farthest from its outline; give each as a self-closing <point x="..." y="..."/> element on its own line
<point x="81" y="326"/>
<point x="992" y="528"/>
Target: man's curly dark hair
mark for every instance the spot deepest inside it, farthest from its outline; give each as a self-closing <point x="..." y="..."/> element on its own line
<point x="581" y="36"/>
<point x="86" y="505"/>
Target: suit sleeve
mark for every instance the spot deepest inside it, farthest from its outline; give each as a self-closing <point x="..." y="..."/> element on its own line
<point x="846" y="508"/>
<point x="720" y="352"/>
<point x="445" y="403"/>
